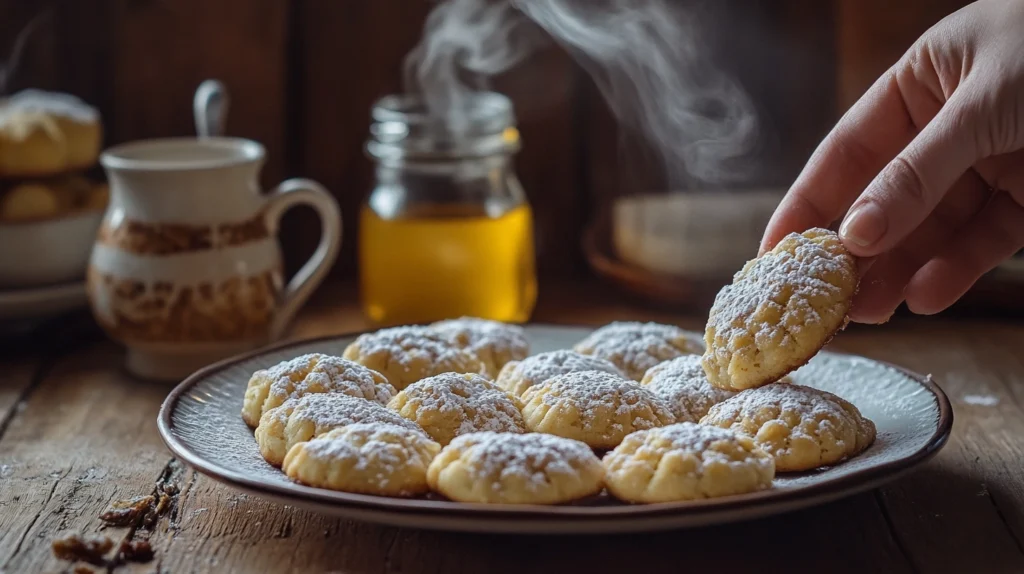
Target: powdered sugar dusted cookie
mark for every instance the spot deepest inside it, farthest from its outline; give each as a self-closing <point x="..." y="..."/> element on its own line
<point x="636" y="347"/>
<point x="302" y="418"/>
<point x="684" y="387"/>
<point x="451" y="404"/>
<point x="492" y="342"/>
<point x="801" y="427"/>
<point x="686" y="461"/>
<point x="407" y="354"/>
<point x="309" y="374"/>
<point x="595" y="407"/>
<point x="780" y="309"/>
<point x="367" y="458"/>
<point x="517" y="376"/>
<point x="515" y="469"/>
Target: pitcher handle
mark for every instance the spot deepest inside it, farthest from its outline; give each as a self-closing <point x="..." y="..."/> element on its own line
<point x="288" y="194"/>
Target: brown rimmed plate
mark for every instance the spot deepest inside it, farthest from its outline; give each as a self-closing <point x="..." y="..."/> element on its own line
<point x="201" y="423"/>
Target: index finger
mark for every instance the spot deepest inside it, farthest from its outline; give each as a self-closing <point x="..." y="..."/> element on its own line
<point x="867" y="138"/>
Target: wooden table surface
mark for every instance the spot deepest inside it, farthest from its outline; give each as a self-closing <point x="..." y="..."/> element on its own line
<point x="77" y="433"/>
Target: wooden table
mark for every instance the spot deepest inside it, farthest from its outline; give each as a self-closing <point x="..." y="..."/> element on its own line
<point x="77" y="433"/>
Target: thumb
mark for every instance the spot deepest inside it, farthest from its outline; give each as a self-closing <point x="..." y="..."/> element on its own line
<point x="913" y="183"/>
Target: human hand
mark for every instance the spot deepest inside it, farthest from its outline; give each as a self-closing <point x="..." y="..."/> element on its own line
<point x="928" y="167"/>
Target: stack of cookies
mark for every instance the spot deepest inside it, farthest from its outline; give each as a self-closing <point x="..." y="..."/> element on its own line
<point x="48" y="141"/>
<point x="642" y="410"/>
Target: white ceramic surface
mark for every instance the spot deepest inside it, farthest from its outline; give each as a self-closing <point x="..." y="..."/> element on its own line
<point x="46" y="253"/>
<point x="201" y="423"/>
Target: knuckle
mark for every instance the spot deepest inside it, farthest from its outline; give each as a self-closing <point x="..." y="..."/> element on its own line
<point x="903" y="182"/>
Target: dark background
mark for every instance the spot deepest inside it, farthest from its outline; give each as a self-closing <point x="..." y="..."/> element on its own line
<point x="303" y="74"/>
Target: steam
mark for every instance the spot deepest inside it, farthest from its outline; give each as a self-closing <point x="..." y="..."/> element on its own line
<point x="645" y="56"/>
<point x="9" y="66"/>
<point x="465" y="42"/>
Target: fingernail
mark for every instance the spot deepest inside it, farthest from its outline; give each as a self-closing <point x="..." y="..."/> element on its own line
<point x="864" y="225"/>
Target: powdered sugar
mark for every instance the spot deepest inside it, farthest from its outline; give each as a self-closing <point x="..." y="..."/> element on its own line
<point x="328" y="411"/>
<point x="531" y="460"/>
<point x="598" y="395"/>
<point x="378" y="451"/>
<point x="403" y="341"/>
<point x="539" y="368"/>
<point x="483" y="335"/>
<point x="790" y="300"/>
<point x="450" y="404"/>
<point x="332" y="374"/>
<point x="53" y="103"/>
<point x="692" y="437"/>
<point x="683" y="385"/>
<point x="781" y="398"/>
<point x="636" y="347"/>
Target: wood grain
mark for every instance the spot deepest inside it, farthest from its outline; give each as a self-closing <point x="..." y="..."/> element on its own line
<point x="86" y="436"/>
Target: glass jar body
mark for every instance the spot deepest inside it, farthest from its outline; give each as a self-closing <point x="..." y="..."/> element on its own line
<point x="444" y="239"/>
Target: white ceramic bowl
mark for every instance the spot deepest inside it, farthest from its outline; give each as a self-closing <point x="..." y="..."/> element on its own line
<point x="37" y="253"/>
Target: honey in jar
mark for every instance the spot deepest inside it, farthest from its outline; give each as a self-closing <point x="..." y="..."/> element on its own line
<point x="447" y="230"/>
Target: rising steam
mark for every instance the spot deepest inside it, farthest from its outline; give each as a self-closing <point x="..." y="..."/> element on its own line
<point x="646" y="57"/>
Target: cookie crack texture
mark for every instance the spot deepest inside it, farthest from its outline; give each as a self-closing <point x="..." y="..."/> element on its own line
<point x="780" y="309"/>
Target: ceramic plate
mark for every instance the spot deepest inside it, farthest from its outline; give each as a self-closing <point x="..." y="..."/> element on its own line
<point x="38" y="303"/>
<point x="201" y="423"/>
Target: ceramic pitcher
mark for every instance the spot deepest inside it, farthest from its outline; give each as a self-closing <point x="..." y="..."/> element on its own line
<point x="187" y="268"/>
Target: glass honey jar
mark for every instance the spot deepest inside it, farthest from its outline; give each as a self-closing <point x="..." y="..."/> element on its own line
<point x="446" y="230"/>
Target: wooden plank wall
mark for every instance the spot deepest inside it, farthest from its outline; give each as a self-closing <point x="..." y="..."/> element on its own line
<point x="303" y="74"/>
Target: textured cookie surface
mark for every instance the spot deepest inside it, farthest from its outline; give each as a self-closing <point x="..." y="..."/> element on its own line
<point x="309" y="374"/>
<point x="594" y="407"/>
<point x="300" y="419"/>
<point x="684" y="387"/>
<point x="636" y="347"/>
<point x="686" y="461"/>
<point x="452" y="404"/>
<point x="780" y="309"/>
<point x="407" y="354"/>
<point x="517" y="376"/>
<point x="494" y="343"/>
<point x="366" y="458"/>
<point x="515" y="469"/>
<point x="801" y="427"/>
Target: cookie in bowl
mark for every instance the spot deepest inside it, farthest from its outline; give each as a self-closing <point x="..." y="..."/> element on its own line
<point x="46" y="133"/>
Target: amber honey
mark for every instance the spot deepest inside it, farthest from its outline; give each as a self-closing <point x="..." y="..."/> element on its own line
<point x="447" y="260"/>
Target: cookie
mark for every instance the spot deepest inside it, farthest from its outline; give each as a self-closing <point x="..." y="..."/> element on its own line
<point x="309" y="374"/>
<point x="365" y="458"/>
<point x="686" y="461"/>
<point x="517" y="376"/>
<point x="300" y="419"/>
<point x="636" y="347"/>
<point x="494" y="343"/>
<point x="452" y="404"/>
<point x="594" y="407"/>
<point x="780" y="309"/>
<point x="684" y="387"/>
<point x="505" y="468"/>
<point x="407" y="354"/>
<point x="801" y="427"/>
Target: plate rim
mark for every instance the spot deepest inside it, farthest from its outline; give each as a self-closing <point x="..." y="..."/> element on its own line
<point x="855" y="481"/>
